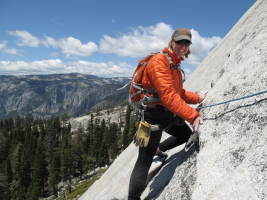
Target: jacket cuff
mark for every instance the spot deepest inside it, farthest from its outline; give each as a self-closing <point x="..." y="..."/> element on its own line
<point x="195" y="114"/>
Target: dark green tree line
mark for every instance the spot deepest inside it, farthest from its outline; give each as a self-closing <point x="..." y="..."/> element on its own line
<point x="37" y="154"/>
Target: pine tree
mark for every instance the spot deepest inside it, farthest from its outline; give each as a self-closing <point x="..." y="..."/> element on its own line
<point x="33" y="191"/>
<point x="3" y="141"/>
<point x="78" y="152"/>
<point x="113" y="141"/>
<point x="9" y="124"/>
<point x="56" y="131"/>
<point x="9" y="172"/>
<point x="90" y="161"/>
<point x="88" y="145"/>
<point x="28" y="153"/>
<point x="103" y="152"/>
<point x="53" y="172"/>
<point x="4" y="189"/>
<point x="97" y="140"/>
<point x="17" y="190"/>
<point x="133" y="128"/>
<point x="18" y="122"/>
<point x="67" y="169"/>
<point x="39" y="174"/>
<point x="125" y="133"/>
<point x="1" y="124"/>
<point x="65" y="117"/>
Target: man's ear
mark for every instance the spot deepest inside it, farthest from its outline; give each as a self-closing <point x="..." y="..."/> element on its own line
<point x="187" y="54"/>
<point x="170" y="45"/>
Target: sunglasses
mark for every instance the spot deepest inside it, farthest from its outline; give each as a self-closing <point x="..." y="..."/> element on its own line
<point x="183" y="42"/>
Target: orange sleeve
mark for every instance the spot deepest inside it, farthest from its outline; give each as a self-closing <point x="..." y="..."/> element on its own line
<point x="160" y="76"/>
<point x="190" y="97"/>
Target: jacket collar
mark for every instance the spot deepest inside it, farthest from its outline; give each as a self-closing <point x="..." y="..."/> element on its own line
<point x="175" y="60"/>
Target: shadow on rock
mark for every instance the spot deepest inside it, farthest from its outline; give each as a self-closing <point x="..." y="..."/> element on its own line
<point x="166" y="173"/>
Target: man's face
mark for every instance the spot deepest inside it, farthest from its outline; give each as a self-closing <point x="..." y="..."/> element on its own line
<point x="180" y="48"/>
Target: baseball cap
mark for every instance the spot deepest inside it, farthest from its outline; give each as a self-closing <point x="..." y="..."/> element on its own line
<point x="182" y="34"/>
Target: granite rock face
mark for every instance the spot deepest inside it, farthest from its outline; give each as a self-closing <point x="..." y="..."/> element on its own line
<point x="232" y="161"/>
<point x="114" y="115"/>
<point x="47" y="95"/>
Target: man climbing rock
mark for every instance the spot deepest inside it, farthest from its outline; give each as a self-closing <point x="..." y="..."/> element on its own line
<point x="164" y="77"/>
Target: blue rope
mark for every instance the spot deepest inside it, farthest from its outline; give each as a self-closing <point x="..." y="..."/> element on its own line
<point x="237" y="99"/>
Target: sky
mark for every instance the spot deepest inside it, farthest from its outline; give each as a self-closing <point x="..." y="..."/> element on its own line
<point x="106" y="38"/>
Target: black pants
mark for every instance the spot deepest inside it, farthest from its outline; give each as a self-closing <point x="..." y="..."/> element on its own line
<point x="179" y="132"/>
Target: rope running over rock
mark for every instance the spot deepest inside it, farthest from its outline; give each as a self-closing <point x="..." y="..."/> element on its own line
<point x="232" y="110"/>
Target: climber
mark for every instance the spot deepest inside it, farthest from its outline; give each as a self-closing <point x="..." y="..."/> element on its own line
<point x="163" y="75"/>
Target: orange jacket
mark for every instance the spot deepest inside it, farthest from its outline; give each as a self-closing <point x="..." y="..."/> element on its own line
<point x="169" y="86"/>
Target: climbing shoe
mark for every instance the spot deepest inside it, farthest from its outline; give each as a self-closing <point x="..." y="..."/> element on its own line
<point x="192" y="141"/>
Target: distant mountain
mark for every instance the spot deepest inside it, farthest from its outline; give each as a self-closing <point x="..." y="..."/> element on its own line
<point x="47" y="95"/>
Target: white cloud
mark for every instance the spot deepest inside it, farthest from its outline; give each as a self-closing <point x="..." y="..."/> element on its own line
<point x="5" y="49"/>
<point x="139" y="42"/>
<point x="69" y="46"/>
<point x="201" y="47"/>
<point x="50" y="42"/>
<point x="53" y="66"/>
<point x="34" y="67"/>
<point x="145" y="40"/>
<point x="26" y="39"/>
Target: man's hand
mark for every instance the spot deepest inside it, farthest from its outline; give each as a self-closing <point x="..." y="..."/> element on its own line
<point x="197" y="122"/>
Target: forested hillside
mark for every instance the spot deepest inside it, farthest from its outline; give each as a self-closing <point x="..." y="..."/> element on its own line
<point x="38" y="154"/>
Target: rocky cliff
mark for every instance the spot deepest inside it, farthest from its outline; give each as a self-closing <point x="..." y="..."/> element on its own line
<point x="113" y="115"/>
<point x="232" y="161"/>
<point x="46" y="95"/>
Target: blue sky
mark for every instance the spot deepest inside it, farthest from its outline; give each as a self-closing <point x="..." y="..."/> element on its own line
<point x="103" y="37"/>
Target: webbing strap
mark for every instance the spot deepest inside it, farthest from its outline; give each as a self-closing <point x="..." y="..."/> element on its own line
<point x="135" y="94"/>
<point x="137" y="87"/>
<point x="172" y="65"/>
<point x="168" y="57"/>
<point x="124" y="86"/>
